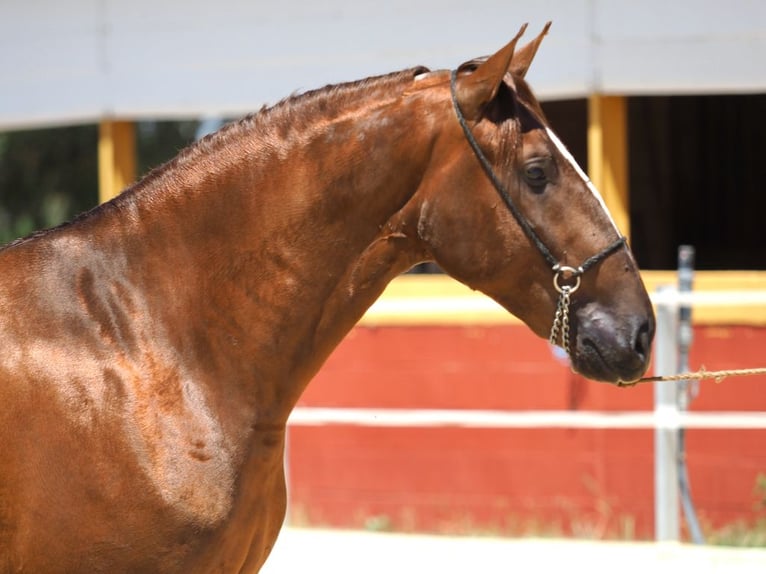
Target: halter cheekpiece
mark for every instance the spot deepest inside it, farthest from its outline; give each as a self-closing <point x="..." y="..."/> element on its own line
<point x="566" y="279"/>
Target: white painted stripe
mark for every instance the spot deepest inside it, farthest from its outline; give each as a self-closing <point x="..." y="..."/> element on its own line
<point x="589" y="184"/>
<point x="439" y="418"/>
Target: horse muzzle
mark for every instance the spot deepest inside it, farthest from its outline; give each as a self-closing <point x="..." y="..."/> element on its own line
<point x="609" y="347"/>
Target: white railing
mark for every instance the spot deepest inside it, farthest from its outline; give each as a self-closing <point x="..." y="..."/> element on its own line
<point x="492" y="419"/>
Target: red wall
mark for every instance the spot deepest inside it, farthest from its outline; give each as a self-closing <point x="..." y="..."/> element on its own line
<point x="543" y="481"/>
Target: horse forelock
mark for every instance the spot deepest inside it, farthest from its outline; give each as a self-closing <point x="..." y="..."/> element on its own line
<point x="515" y="100"/>
<point x="526" y="95"/>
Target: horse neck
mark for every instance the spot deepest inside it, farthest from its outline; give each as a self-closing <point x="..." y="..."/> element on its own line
<point x="282" y="247"/>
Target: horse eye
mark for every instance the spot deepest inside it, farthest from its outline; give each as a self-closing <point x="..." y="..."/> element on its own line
<point x="536" y="176"/>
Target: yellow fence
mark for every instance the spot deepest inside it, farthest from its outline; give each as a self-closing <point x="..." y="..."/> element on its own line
<point x="440" y="300"/>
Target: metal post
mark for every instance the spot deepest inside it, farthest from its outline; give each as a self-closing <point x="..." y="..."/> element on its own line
<point x="686" y="390"/>
<point x="666" y="499"/>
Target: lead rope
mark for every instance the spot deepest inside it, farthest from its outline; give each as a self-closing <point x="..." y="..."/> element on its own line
<point x="718" y="376"/>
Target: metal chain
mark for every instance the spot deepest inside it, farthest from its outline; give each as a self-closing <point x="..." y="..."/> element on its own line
<point x="560" y="329"/>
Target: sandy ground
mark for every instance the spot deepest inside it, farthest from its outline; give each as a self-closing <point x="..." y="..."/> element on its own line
<point x="341" y="551"/>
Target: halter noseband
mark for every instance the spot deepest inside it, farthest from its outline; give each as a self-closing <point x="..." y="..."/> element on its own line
<point x="561" y="272"/>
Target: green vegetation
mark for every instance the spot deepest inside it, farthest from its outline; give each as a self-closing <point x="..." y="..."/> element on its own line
<point x="602" y="525"/>
<point x="48" y="176"/>
<point x="743" y="533"/>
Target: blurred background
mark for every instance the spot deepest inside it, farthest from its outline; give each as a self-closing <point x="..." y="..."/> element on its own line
<point x="664" y="102"/>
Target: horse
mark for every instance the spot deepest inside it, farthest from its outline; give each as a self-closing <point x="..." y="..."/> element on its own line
<point x="154" y="346"/>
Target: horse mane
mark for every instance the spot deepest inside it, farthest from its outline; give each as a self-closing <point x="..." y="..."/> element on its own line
<point x="287" y="118"/>
<point x="290" y="117"/>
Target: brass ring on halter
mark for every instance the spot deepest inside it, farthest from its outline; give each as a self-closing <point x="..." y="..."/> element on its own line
<point x="570" y="272"/>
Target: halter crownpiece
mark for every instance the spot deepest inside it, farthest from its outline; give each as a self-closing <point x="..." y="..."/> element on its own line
<point x="560" y="328"/>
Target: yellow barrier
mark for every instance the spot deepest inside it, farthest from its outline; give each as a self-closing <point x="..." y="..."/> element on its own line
<point x="439" y="300"/>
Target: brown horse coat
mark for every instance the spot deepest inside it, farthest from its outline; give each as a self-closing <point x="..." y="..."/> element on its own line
<point x="152" y="349"/>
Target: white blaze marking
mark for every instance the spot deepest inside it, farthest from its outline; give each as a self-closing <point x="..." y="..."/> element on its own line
<point x="568" y="156"/>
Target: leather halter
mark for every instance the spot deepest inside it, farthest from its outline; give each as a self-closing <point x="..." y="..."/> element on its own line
<point x="559" y="271"/>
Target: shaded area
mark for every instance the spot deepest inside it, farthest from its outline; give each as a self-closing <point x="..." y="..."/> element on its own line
<point x="697" y="175"/>
<point x="48" y="176"/>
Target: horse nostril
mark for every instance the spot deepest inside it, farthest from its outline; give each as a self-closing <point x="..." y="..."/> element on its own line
<point x="643" y="340"/>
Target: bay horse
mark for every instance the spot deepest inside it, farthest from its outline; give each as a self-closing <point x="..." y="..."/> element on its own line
<point x="153" y="348"/>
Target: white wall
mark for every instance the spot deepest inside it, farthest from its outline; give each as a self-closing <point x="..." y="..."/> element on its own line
<point x="68" y="61"/>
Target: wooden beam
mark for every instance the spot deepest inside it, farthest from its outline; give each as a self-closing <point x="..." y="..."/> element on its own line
<point x="116" y="158"/>
<point x="608" y="154"/>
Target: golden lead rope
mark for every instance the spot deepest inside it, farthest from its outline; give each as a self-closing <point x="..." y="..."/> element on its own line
<point x="718" y="376"/>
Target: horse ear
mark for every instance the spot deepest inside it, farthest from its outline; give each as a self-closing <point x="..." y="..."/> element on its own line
<point x="476" y="90"/>
<point x="523" y="58"/>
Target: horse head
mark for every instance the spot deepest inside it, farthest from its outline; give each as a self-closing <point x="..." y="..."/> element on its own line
<point x="505" y="209"/>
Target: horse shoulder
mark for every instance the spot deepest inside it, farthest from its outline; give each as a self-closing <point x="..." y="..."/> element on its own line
<point x="96" y="397"/>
